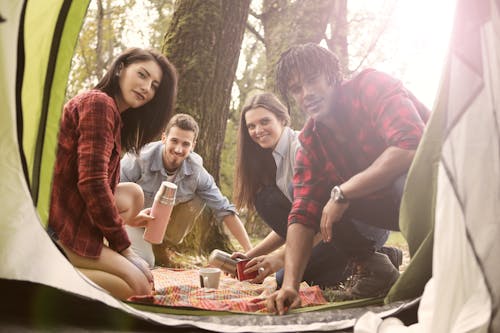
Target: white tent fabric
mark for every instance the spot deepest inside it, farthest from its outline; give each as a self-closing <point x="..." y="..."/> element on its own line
<point x="464" y="292"/>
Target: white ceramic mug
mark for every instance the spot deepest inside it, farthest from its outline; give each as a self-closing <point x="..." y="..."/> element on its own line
<point x="210" y="277"/>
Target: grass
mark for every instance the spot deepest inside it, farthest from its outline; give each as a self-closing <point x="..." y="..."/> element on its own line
<point x="396" y="239"/>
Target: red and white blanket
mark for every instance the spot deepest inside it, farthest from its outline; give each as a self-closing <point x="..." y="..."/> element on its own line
<point x="182" y="288"/>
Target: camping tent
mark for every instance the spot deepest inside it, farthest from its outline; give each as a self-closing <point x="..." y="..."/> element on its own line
<point x="39" y="285"/>
<point x="464" y="292"/>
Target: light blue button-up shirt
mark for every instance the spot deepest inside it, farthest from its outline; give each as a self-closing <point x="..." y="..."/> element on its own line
<point x="192" y="178"/>
<point x="284" y="156"/>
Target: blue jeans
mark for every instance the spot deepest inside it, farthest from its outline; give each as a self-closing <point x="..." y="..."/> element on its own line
<point x="326" y="266"/>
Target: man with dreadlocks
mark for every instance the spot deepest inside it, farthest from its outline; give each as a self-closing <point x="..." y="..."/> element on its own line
<point x="357" y="147"/>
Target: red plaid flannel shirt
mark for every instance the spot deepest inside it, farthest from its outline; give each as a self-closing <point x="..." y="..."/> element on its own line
<point x="375" y="112"/>
<point x="87" y="170"/>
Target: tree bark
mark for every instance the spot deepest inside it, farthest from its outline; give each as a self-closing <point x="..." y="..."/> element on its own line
<point x="339" y="28"/>
<point x="203" y="42"/>
<point x="288" y="23"/>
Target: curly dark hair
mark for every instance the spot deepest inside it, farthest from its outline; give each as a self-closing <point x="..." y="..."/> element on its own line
<point x="304" y="60"/>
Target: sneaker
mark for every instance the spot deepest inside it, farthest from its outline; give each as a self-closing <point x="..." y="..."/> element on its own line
<point x="371" y="277"/>
<point x="395" y="255"/>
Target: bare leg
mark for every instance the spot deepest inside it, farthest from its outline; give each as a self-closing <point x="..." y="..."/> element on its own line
<point x="111" y="271"/>
<point x="129" y="199"/>
<point x="112" y="283"/>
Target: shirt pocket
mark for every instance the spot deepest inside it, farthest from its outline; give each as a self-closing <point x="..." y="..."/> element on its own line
<point x="149" y="197"/>
<point x="186" y="189"/>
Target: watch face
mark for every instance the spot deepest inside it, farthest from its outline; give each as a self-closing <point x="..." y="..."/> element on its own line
<point x="337" y="194"/>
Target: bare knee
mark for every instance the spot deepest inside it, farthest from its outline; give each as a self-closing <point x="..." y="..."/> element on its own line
<point x="139" y="284"/>
<point x="129" y="199"/>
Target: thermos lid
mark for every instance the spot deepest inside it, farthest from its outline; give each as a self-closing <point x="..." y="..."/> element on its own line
<point x="166" y="192"/>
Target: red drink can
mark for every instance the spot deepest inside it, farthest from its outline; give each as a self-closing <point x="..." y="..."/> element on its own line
<point x="240" y="268"/>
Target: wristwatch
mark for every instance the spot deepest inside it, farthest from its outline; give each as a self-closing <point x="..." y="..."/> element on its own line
<point x="337" y="195"/>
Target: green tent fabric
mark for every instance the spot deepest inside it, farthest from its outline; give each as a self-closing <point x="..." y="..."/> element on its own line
<point x="416" y="218"/>
<point x="50" y="35"/>
<point x="37" y="39"/>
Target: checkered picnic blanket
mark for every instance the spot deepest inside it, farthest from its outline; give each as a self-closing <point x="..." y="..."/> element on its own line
<point x="181" y="288"/>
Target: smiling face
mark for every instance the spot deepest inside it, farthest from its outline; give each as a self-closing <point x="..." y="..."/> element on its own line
<point x="312" y="93"/>
<point x="263" y="127"/>
<point x="138" y="84"/>
<point x="178" y="144"/>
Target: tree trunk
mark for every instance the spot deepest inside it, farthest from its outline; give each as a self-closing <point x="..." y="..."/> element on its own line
<point x="287" y="23"/>
<point x="337" y="41"/>
<point x="204" y="42"/>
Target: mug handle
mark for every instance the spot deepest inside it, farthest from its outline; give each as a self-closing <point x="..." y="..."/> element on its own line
<point x="205" y="281"/>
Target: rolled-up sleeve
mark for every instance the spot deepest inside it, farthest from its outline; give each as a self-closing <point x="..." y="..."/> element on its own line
<point x="310" y="188"/>
<point x="392" y="112"/>
<point x="208" y="191"/>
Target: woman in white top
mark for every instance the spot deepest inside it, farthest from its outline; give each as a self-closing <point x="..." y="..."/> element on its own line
<point x="266" y="154"/>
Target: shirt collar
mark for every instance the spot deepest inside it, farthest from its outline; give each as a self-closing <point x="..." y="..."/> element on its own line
<point x="284" y="142"/>
<point x="157" y="163"/>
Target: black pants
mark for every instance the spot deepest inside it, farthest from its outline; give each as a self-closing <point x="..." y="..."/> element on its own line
<point x="326" y="267"/>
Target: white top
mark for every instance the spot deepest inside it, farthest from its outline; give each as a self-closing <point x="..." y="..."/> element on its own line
<point x="284" y="156"/>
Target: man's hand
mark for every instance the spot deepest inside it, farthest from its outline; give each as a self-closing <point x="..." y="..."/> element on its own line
<point x="131" y="256"/>
<point x="282" y="300"/>
<point x="332" y="213"/>
<point x="142" y="219"/>
<point x="264" y="265"/>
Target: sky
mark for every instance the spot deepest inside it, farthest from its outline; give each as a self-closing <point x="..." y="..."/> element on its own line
<point x="419" y="34"/>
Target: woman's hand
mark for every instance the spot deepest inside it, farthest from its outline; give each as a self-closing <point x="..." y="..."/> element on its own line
<point x="142" y="219"/>
<point x="140" y="263"/>
<point x="239" y="255"/>
<point x="264" y="266"/>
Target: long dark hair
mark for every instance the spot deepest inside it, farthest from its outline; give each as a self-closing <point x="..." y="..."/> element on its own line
<point x="144" y="124"/>
<point x="303" y="60"/>
<point x="255" y="166"/>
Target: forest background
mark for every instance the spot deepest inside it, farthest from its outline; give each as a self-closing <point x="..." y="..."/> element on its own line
<point x="225" y="50"/>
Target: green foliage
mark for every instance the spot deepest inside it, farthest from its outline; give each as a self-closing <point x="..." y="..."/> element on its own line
<point x="98" y="43"/>
<point x="228" y="159"/>
<point x="159" y="13"/>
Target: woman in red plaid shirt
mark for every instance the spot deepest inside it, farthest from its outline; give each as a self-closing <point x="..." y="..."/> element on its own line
<point x="128" y="108"/>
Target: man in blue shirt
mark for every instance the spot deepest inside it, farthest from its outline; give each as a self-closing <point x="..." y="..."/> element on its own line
<point x="172" y="159"/>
